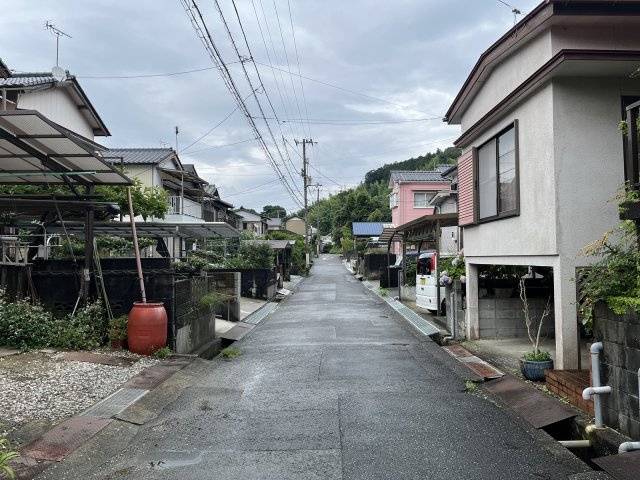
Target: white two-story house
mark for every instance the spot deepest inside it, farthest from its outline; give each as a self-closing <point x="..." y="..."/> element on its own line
<point x="543" y="156"/>
<point x="60" y="98"/>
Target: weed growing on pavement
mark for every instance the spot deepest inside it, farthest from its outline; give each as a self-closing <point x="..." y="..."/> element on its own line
<point x="470" y="387"/>
<point x="6" y="455"/>
<point x="383" y="291"/>
<point x="230" y="353"/>
<point x="162" y="353"/>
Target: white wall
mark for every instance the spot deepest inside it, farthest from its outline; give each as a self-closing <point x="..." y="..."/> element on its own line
<point x="533" y="232"/>
<point x="589" y="158"/>
<point x="510" y="73"/>
<point x="55" y="104"/>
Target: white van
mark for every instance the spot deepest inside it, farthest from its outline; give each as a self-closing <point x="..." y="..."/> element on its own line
<point x="427" y="283"/>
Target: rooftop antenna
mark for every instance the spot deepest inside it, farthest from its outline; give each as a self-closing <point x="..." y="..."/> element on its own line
<point x="515" y="12"/>
<point x="58" y="33"/>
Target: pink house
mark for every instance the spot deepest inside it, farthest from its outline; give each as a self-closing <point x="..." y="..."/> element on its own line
<point x="413" y="193"/>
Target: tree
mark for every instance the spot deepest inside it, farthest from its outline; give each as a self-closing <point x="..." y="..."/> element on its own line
<point x="147" y="201"/>
<point x="274" y="211"/>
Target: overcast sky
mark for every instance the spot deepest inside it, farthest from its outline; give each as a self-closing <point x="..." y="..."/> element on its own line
<point x="413" y="55"/>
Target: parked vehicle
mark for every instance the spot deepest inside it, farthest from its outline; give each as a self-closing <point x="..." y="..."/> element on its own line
<point x="427" y="282"/>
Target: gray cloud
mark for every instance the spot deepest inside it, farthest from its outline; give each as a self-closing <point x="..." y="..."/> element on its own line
<point x="411" y="52"/>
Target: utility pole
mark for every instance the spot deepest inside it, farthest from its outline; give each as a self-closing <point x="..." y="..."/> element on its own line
<point x="181" y="177"/>
<point x="317" y="187"/>
<point x="305" y="179"/>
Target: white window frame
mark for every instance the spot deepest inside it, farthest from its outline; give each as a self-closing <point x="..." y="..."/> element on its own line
<point x="427" y="195"/>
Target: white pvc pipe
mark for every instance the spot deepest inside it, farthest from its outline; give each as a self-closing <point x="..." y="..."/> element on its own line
<point x="628" y="447"/>
<point x="631" y="446"/>
<point x="590" y="392"/>
<point x="596" y="389"/>
<point x="575" y="443"/>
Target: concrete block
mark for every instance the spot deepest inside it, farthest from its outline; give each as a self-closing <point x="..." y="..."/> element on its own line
<point x="632" y="336"/>
<point x="487" y="304"/>
<point x="628" y="426"/>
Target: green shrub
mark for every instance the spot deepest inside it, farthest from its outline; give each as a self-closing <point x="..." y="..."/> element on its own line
<point x="214" y="299"/>
<point x="26" y="325"/>
<point x="118" y="328"/>
<point x="538" y="356"/>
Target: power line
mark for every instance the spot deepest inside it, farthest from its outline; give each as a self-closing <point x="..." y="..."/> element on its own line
<point x="252" y="189"/>
<point x="353" y="92"/>
<point x="211" y="147"/>
<point x="109" y="76"/>
<point x="264" y="89"/>
<point x="212" y="128"/>
<point x="202" y="31"/>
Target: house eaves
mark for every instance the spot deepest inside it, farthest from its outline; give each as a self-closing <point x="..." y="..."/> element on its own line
<point x="539" y="19"/>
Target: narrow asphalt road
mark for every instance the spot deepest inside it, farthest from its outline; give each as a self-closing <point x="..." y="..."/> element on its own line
<point x="331" y="386"/>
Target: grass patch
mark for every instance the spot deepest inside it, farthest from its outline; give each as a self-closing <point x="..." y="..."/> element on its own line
<point x="383" y="291"/>
<point x="6" y="456"/>
<point x="230" y="353"/>
<point x="162" y="353"/>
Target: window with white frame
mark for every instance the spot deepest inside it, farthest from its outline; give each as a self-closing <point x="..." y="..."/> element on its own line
<point x="422" y="199"/>
<point x="393" y="200"/>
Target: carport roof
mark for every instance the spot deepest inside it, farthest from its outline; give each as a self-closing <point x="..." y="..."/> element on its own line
<point x="156" y="229"/>
<point x="35" y="150"/>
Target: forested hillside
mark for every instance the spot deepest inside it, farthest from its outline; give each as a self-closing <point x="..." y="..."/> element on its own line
<point x="424" y="162"/>
<point x="369" y="201"/>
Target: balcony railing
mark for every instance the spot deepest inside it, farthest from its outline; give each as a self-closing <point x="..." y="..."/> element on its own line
<point x="184" y="206"/>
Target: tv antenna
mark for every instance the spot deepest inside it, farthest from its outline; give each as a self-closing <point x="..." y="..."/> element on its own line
<point x="58" y="33"/>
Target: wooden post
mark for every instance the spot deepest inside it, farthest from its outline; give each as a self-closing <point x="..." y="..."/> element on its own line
<point x="136" y="248"/>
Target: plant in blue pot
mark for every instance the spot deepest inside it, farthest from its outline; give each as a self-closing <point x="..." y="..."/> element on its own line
<point x="536" y="361"/>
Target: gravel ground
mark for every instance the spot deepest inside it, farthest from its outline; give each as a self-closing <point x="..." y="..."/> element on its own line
<point x="44" y="386"/>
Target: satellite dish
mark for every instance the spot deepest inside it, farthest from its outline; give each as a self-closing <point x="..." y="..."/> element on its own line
<point x="58" y="74"/>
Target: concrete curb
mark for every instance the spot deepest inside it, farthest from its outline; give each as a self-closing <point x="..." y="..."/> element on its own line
<point x="67" y="436"/>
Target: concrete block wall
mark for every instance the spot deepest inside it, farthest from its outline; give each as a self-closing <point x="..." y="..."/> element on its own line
<point x="455" y="310"/>
<point x="504" y="317"/>
<point x="620" y="336"/>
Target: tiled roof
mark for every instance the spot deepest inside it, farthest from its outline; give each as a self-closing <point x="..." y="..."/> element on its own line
<point x="416" y="176"/>
<point x="368" y="229"/>
<point x="139" y="156"/>
<point x="27" y="80"/>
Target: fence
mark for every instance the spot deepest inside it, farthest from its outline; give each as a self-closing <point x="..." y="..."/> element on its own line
<point x="55" y="283"/>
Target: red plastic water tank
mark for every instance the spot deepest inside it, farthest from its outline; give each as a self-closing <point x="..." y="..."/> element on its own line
<point x="147" y="328"/>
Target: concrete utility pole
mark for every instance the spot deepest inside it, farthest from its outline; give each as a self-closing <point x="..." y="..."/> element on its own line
<point x="305" y="179"/>
<point x="317" y="187"/>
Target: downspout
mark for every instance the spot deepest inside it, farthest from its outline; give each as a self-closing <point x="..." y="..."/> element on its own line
<point x="596" y="389"/>
<point x="631" y="446"/>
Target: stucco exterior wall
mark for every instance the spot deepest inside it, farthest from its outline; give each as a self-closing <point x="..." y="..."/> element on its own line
<point x="56" y="105"/>
<point x="533" y="232"/>
<point x="510" y="73"/>
<point x="588" y="148"/>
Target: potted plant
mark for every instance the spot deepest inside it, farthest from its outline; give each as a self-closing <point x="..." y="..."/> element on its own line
<point x="118" y="332"/>
<point x="534" y="362"/>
